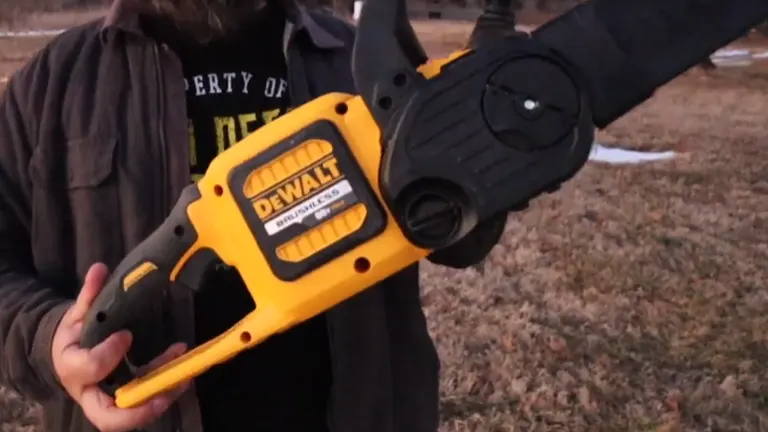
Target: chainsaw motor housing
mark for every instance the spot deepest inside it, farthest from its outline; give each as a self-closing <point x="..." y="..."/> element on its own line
<point x="496" y="128"/>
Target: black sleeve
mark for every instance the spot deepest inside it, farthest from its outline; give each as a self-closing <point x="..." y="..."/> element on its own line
<point x="30" y="311"/>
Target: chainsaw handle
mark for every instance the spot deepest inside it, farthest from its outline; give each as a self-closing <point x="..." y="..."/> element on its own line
<point x="142" y="279"/>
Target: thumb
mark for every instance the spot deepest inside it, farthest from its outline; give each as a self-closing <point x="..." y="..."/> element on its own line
<point x="94" y="281"/>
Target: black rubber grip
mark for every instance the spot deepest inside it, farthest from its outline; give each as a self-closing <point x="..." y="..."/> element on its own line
<point x="141" y="279"/>
<point x="628" y="48"/>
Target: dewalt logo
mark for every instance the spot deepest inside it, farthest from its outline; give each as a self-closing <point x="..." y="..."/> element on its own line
<point x="297" y="188"/>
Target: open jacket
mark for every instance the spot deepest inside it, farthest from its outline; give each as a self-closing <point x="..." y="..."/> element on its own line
<point x="93" y="155"/>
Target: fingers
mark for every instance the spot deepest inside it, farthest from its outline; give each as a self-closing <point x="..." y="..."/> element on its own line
<point x="102" y="412"/>
<point x="92" y="366"/>
<point x="94" y="280"/>
<point x="67" y="337"/>
<point x="105" y="356"/>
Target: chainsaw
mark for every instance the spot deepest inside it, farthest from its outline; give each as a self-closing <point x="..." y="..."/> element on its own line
<point x="346" y="190"/>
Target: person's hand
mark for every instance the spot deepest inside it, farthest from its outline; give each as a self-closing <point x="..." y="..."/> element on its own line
<point x="80" y="370"/>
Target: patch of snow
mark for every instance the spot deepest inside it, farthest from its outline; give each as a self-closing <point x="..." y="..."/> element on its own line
<point x="31" y="33"/>
<point x="731" y="53"/>
<point x="357" y="10"/>
<point x="601" y="153"/>
<point x="737" y="57"/>
<point x="732" y="63"/>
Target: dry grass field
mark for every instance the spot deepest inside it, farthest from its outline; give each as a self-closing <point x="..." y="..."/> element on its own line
<point x="634" y="299"/>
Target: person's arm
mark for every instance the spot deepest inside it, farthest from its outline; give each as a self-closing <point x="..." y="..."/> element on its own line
<point x="29" y="310"/>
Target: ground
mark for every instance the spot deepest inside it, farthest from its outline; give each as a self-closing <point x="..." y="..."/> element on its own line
<point x="631" y="300"/>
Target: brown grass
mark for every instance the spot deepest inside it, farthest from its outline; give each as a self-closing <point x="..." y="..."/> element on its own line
<point x="632" y="300"/>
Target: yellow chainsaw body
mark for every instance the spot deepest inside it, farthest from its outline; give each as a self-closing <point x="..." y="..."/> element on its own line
<point x="322" y="159"/>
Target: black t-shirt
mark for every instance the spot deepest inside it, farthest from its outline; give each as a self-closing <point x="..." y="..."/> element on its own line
<point x="233" y="87"/>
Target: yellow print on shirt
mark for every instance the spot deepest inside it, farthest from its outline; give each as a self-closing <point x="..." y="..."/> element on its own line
<point x="227" y="130"/>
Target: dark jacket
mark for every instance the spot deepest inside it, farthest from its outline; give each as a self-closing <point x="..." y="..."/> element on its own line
<point x="94" y="153"/>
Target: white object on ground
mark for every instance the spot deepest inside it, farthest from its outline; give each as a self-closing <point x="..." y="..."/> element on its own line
<point x="31" y="33"/>
<point x="601" y="153"/>
<point x="732" y="58"/>
<point x="731" y="53"/>
<point x="737" y="57"/>
<point x="732" y="63"/>
<point x="357" y="10"/>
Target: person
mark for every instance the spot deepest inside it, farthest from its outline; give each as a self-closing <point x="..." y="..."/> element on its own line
<point x="99" y="133"/>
